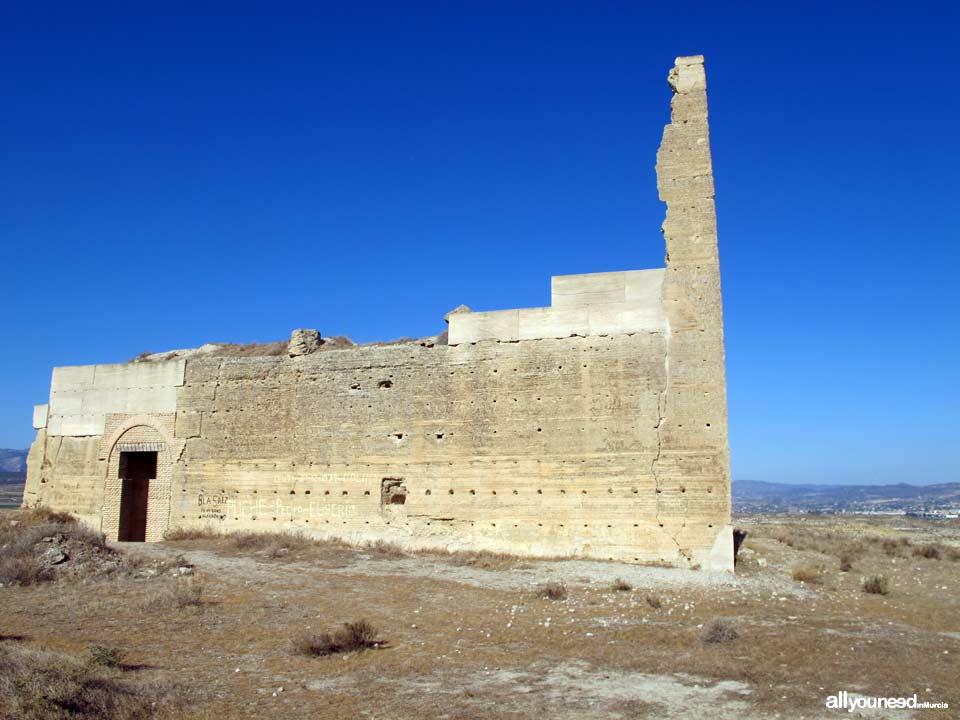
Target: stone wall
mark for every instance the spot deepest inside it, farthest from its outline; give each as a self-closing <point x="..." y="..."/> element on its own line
<point x="595" y="427"/>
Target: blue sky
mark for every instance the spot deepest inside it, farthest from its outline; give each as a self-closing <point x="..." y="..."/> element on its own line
<point x="174" y="175"/>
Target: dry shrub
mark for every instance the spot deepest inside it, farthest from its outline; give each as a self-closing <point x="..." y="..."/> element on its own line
<point x="482" y="559"/>
<point x="846" y="563"/>
<point x="930" y="551"/>
<point x="106" y="655"/>
<point x="893" y="548"/>
<point x="181" y="592"/>
<point x="269" y="349"/>
<point x="826" y="542"/>
<point x="552" y="591"/>
<point x="41" y="515"/>
<point x="274" y="543"/>
<point x="22" y="544"/>
<point x="654" y="602"/>
<point x="24" y="571"/>
<point x="621" y="585"/>
<point x="352" y="637"/>
<point x="876" y="585"/>
<point x="807" y="574"/>
<point x="188" y="592"/>
<point x="384" y="550"/>
<point x="202" y="533"/>
<point x="718" y="631"/>
<point x="39" y="685"/>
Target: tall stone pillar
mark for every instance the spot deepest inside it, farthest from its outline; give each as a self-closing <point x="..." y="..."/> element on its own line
<point x="693" y="467"/>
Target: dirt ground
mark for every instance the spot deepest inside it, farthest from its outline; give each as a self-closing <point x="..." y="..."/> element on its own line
<point x="471" y="637"/>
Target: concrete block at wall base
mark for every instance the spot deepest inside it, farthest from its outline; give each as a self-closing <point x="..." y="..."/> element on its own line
<point x="720" y="557"/>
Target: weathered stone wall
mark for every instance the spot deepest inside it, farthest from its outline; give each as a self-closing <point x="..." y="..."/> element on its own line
<point x="595" y="427"/>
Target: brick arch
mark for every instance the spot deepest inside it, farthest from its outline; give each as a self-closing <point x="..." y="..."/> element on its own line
<point x="141" y="435"/>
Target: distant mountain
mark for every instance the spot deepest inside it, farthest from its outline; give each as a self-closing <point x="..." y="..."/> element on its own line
<point x="13" y="461"/>
<point x="754" y="495"/>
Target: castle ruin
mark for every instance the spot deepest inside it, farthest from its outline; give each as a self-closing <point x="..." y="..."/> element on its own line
<point x="596" y="427"/>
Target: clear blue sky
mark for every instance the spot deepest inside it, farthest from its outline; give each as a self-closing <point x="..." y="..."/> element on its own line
<point x="179" y="174"/>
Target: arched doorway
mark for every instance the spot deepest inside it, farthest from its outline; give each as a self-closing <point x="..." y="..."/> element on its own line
<point x="136" y="503"/>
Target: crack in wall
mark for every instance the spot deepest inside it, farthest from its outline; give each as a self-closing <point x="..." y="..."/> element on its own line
<point x="661" y="417"/>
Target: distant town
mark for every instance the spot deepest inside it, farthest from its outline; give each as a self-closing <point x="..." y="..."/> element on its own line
<point x="941" y="501"/>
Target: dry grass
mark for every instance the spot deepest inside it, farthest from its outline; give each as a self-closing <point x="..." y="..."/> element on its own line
<point x="178" y="593"/>
<point x="621" y="585"/>
<point x="483" y="559"/>
<point x="462" y="639"/>
<point x="930" y="551"/>
<point x="43" y="685"/>
<point x="552" y="591"/>
<point x="188" y="592"/>
<point x="384" y="550"/>
<point x="269" y="349"/>
<point x="893" y="548"/>
<point x="352" y="637"/>
<point x="24" y="570"/>
<point x="27" y="535"/>
<point x="876" y="585"/>
<point x="718" y="631"/>
<point x="273" y="544"/>
<point x="106" y="655"/>
<point x="807" y="574"/>
<point x="203" y="533"/>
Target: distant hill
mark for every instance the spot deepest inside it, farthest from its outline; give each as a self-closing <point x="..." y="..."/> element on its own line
<point x="13" y="461"/>
<point x="754" y="495"/>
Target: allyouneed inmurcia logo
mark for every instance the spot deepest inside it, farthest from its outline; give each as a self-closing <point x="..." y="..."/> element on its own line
<point x="843" y="700"/>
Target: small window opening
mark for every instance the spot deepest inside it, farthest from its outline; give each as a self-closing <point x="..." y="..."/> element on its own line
<point x="392" y="491"/>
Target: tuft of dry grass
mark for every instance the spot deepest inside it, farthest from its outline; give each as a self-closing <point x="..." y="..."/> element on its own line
<point x="202" y="533"/>
<point x="621" y="585"/>
<point x="718" y="631"/>
<point x="483" y="559"/>
<point x="106" y="655"/>
<point x="654" y="602"/>
<point x="181" y="592"/>
<point x="274" y="543"/>
<point x="24" y="570"/>
<point x="188" y="592"/>
<point x="876" y="585"/>
<point x="807" y="574"/>
<point x="893" y="548"/>
<point x="384" y="550"/>
<point x="930" y="551"/>
<point x="269" y="349"/>
<point x="552" y="591"/>
<point x="846" y="563"/>
<point x="42" y="685"/>
<point x="27" y="535"/>
<point x="351" y="637"/>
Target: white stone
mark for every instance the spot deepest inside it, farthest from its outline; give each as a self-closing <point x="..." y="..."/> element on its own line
<point x="40" y="416"/>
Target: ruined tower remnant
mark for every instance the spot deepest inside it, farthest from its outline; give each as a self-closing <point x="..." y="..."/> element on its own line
<point x="595" y="427"/>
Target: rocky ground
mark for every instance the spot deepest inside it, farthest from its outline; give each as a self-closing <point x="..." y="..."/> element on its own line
<point x="209" y="627"/>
